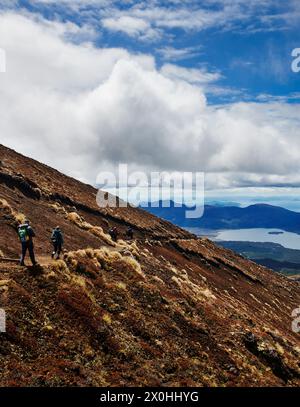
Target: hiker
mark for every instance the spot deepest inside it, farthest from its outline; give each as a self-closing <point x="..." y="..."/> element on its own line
<point x="57" y="241"/>
<point x="26" y="235"/>
<point x="129" y="233"/>
<point x="114" y="233"/>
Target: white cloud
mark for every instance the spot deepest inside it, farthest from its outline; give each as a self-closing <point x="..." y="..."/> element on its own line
<point x="132" y="26"/>
<point x="191" y="75"/>
<point x="176" y="54"/>
<point x="83" y="109"/>
<point x="150" y="20"/>
<point x="248" y="16"/>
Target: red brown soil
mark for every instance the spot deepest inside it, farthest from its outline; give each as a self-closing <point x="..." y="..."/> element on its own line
<point x="173" y="311"/>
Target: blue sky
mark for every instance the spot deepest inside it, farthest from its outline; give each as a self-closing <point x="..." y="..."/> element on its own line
<point x="248" y="43"/>
<point x="160" y="85"/>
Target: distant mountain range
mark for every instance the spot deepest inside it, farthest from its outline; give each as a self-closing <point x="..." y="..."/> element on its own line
<point x="231" y="217"/>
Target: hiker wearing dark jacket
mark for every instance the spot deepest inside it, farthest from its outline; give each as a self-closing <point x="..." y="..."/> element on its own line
<point x="57" y="241"/>
<point x="114" y="233"/>
<point x="26" y="235"/>
<point x="129" y="233"/>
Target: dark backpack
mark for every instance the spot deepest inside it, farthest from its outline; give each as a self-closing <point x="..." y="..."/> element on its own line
<point x="57" y="236"/>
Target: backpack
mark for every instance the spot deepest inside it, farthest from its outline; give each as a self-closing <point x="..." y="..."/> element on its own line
<point x="23" y="234"/>
<point x="57" y="236"/>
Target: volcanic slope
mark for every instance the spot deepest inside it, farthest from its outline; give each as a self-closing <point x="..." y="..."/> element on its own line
<point x="166" y="309"/>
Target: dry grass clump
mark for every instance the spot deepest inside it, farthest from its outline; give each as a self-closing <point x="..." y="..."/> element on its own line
<point x="134" y="247"/>
<point x="97" y="231"/>
<point x="79" y="221"/>
<point x="1" y="254"/>
<point x="134" y="265"/>
<point x="197" y="292"/>
<point x="18" y="217"/>
<point x="114" y="256"/>
<point x="122" y="243"/>
<point x="129" y="248"/>
<point x="89" y="252"/>
<point x="83" y="262"/>
<point x="59" y="266"/>
<point x="58" y="208"/>
<point x="96" y="259"/>
<point x="158" y="280"/>
<point x="106" y="255"/>
<point x="145" y="253"/>
<point x="107" y="319"/>
<point x="76" y="255"/>
<point x="121" y="286"/>
<point x="78" y="280"/>
<point x="81" y="282"/>
<point x="5" y="207"/>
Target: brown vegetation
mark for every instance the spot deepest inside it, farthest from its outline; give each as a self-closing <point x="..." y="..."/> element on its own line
<point x="166" y="310"/>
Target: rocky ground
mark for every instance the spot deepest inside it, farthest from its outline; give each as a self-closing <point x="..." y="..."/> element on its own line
<point x="166" y="309"/>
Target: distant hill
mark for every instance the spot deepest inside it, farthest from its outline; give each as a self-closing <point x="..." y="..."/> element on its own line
<point x="271" y="255"/>
<point x="233" y="217"/>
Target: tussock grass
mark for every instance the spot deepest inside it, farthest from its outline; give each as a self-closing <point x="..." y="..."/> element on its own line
<point x="90" y="252"/>
<point x="4" y="206"/>
<point x="58" y="208"/>
<point x="198" y="292"/>
<point x="18" y="217"/>
<point x="59" y="266"/>
<point x="129" y="248"/>
<point x="75" y="218"/>
<point x="103" y="258"/>
<point x="121" y="286"/>
<point x="158" y="280"/>
<point x="97" y="231"/>
<point x="135" y="266"/>
<point x="107" y="319"/>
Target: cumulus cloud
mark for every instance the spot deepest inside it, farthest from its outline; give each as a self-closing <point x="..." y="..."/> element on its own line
<point x="84" y="109"/>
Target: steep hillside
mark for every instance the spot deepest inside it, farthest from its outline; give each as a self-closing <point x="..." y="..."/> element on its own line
<point x="166" y="309"/>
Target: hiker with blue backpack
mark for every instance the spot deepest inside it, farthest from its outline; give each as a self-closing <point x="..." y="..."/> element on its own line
<point x="26" y="235"/>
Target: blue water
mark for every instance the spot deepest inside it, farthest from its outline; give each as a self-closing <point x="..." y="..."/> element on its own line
<point x="286" y="239"/>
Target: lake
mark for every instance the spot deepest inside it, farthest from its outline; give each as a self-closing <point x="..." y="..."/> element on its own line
<point x="286" y="239"/>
